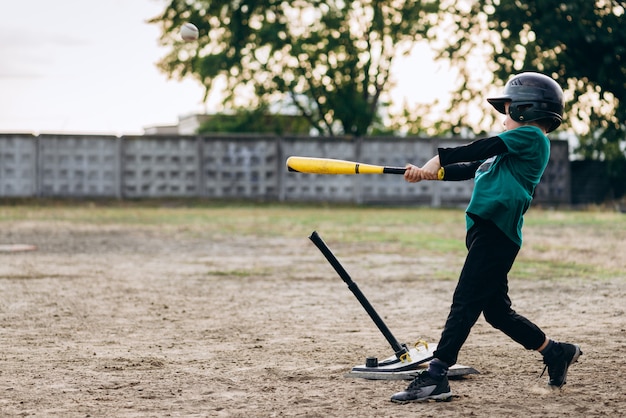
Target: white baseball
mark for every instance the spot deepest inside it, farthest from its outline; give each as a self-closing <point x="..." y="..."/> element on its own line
<point x="189" y="32"/>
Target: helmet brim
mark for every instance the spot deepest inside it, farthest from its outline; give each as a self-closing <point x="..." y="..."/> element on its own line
<point x="498" y="103"/>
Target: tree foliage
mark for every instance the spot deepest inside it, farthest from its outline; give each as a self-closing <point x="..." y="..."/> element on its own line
<point x="581" y="43"/>
<point x="258" y="120"/>
<point x="331" y="59"/>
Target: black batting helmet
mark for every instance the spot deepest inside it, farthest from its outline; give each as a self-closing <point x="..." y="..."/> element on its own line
<point x="533" y="96"/>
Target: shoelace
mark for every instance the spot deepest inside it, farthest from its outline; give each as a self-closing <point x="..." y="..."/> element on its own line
<point x="544" y="371"/>
<point x="421" y="377"/>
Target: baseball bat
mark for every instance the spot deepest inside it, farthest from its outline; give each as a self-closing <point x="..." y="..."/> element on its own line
<point x="331" y="166"/>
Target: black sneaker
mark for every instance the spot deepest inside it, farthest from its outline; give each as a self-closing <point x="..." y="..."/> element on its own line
<point x="558" y="364"/>
<point x="423" y="388"/>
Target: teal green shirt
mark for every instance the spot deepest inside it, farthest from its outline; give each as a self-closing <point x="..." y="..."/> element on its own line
<point x="504" y="184"/>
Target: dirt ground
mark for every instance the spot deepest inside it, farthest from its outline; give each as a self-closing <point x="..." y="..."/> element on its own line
<point x="146" y="321"/>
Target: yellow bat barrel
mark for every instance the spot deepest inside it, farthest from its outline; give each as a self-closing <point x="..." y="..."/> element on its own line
<point x="330" y="166"/>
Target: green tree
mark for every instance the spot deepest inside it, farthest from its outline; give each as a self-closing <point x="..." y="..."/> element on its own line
<point x="582" y="43"/>
<point x="258" y="120"/>
<point x="331" y="59"/>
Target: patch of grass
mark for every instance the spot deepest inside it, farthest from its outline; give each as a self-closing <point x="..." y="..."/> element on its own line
<point x="555" y="269"/>
<point x="229" y="273"/>
<point x="242" y="273"/>
<point x="405" y="230"/>
<point x="38" y="276"/>
<point x="562" y="218"/>
<point x="353" y="224"/>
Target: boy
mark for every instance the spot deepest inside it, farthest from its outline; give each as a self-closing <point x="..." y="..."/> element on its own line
<point x="506" y="169"/>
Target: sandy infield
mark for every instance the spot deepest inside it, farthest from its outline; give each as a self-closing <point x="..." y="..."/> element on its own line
<point x="148" y="321"/>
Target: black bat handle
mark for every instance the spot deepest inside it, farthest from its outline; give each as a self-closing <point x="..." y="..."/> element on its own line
<point x="398" y="348"/>
<point x="394" y="170"/>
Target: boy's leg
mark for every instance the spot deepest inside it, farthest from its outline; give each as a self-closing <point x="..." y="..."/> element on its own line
<point x="490" y="257"/>
<point x="499" y="314"/>
<point x="487" y="262"/>
<point x="557" y="356"/>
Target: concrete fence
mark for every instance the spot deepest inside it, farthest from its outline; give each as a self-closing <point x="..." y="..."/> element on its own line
<point x="235" y="167"/>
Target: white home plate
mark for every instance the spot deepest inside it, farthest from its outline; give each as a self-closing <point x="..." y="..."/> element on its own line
<point x="15" y="248"/>
<point x="393" y="369"/>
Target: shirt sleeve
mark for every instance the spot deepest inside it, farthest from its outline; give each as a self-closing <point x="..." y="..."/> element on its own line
<point x="461" y="163"/>
<point x="460" y="171"/>
<point x="475" y="151"/>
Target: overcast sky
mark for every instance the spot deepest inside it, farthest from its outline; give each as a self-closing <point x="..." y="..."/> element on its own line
<point x="88" y="66"/>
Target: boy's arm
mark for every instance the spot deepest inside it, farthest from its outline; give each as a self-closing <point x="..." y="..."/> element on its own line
<point x="459" y="171"/>
<point x="475" y="151"/>
<point x="459" y="163"/>
<point x="434" y="170"/>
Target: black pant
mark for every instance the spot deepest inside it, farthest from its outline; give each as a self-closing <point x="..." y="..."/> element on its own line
<point x="483" y="287"/>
